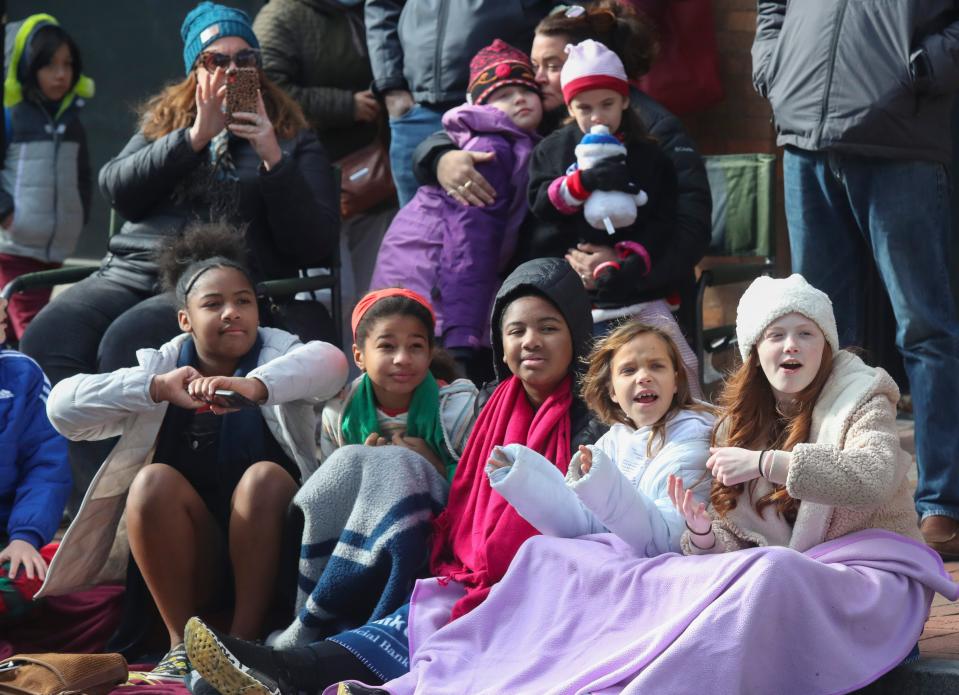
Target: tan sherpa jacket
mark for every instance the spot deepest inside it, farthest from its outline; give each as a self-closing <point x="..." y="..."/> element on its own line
<point x="851" y="477"/>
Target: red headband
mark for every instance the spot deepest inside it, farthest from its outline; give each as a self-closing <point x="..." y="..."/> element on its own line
<point x="373" y="297"/>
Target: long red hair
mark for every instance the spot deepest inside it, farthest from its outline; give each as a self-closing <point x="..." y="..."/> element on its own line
<point x="750" y="419"/>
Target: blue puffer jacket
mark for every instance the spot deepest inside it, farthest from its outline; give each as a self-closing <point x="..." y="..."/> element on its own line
<point x="35" y="478"/>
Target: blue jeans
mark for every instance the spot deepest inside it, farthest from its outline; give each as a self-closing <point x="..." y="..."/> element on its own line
<point x="840" y="207"/>
<point x="406" y="132"/>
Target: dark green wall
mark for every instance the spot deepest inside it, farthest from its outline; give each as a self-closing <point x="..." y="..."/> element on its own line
<point x="130" y="48"/>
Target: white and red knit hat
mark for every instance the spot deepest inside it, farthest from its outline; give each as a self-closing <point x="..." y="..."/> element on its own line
<point x="592" y="66"/>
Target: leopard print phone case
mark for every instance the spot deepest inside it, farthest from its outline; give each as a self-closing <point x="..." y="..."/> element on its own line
<point x="241" y="89"/>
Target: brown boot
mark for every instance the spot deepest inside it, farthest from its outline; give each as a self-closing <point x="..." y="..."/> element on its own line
<point x="941" y="533"/>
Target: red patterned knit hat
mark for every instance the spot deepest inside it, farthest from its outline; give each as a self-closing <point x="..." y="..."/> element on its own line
<point x="498" y="65"/>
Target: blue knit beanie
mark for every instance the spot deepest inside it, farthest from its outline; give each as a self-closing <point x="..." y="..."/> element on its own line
<point x="208" y="22"/>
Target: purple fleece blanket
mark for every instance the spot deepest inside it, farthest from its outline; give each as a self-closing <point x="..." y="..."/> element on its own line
<point x="586" y="616"/>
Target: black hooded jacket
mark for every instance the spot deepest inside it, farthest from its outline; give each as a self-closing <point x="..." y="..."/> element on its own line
<point x="554" y="280"/>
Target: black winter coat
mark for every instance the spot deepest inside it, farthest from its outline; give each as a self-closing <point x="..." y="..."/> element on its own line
<point x="654" y="228"/>
<point x="291" y="212"/>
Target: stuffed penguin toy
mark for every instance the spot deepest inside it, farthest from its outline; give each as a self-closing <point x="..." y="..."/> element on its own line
<point x="607" y="210"/>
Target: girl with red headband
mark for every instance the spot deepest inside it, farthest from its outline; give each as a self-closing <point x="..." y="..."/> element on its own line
<point x="397" y="400"/>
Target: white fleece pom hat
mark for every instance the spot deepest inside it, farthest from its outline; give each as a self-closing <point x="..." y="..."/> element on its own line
<point x="766" y="299"/>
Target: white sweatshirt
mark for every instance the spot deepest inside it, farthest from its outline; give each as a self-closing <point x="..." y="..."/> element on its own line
<point x="625" y="492"/>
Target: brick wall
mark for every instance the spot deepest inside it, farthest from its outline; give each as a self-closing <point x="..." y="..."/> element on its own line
<point x="740" y="123"/>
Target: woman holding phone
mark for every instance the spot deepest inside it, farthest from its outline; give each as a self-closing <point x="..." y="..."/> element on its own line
<point x="264" y="172"/>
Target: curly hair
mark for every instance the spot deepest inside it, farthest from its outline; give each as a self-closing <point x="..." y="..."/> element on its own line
<point x="626" y="33"/>
<point x="752" y="420"/>
<point x="598" y="380"/>
<point x="199" y="242"/>
<point x="174" y="107"/>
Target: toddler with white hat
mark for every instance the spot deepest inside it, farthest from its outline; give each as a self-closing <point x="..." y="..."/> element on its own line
<point x="636" y="266"/>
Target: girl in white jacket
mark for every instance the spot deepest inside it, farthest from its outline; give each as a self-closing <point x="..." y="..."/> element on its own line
<point x="207" y="478"/>
<point x="637" y="384"/>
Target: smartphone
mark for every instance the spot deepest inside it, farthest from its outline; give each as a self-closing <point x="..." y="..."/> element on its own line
<point x="241" y="88"/>
<point x="232" y="399"/>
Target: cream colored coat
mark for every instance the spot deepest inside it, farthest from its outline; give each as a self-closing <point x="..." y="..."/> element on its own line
<point x="851" y="477"/>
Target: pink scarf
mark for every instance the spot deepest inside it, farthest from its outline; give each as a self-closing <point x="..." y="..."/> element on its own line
<point x="477" y="535"/>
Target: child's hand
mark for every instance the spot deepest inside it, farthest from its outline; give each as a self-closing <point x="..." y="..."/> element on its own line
<point x="376" y="440"/>
<point x="731" y="465"/>
<point x="585" y="459"/>
<point x="498" y="458"/>
<point x="172" y="388"/>
<point x="203" y="389"/>
<point x="22" y="553"/>
<point x="697" y="520"/>
<point x="420" y="446"/>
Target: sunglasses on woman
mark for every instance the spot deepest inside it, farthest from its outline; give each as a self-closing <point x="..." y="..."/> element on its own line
<point x="245" y="58"/>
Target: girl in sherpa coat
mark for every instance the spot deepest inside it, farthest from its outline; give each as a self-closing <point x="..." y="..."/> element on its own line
<point x="46" y="184"/>
<point x="635" y="383"/>
<point x="205" y="479"/>
<point x="454" y="254"/>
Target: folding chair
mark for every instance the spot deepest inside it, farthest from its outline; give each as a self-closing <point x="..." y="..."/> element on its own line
<point x="743" y="236"/>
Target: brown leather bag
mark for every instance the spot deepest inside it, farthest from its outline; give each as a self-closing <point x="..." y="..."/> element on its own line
<point x="365" y="179"/>
<point x="62" y="674"/>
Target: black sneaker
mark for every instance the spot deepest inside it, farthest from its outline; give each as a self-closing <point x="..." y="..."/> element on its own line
<point x="233" y="666"/>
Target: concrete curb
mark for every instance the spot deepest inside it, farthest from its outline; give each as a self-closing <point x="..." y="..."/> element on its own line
<point x="927" y="676"/>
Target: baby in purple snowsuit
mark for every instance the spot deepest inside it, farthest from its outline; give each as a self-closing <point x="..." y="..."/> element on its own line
<point x="454" y="253"/>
